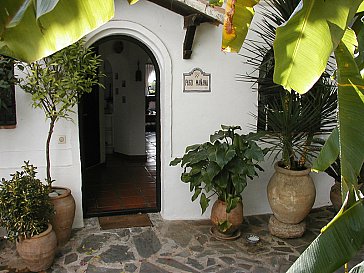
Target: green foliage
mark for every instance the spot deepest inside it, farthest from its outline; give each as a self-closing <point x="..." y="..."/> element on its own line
<point x="291" y="121"/>
<point x="7" y="79"/>
<point x="25" y="207"/>
<point x="31" y="30"/>
<point x="58" y="82"/>
<point x="338" y="242"/>
<point x="221" y="166"/>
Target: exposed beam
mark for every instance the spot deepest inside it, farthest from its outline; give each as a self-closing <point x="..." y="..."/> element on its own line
<point x="190" y="24"/>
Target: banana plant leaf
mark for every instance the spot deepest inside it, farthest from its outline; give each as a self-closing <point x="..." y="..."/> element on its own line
<point x="300" y="58"/>
<point x="336" y="245"/>
<point x="350" y="118"/>
<point x="238" y="16"/>
<point x="31" y="30"/>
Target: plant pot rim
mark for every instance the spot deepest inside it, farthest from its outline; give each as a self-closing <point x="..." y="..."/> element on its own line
<point x="291" y="172"/>
<point x="67" y="192"/>
<point x="42" y="234"/>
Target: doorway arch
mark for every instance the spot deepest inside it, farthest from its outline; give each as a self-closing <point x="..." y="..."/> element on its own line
<point x="160" y="58"/>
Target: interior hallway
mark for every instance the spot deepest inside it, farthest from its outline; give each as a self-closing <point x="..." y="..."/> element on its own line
<point x="121" y="184"/>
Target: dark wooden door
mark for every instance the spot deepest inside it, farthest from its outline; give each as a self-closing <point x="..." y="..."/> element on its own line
<point x="89" y="129"/>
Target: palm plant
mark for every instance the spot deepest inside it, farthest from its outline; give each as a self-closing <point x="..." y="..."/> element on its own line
<point x="291" y="121"/>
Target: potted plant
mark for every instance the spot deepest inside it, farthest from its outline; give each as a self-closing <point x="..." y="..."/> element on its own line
<point x="57" y="84"/>
<point x="334" y="170"/>
<point x="25" y="212"/>
<point x="291" y="123"/>
<point x="221" y="167"/>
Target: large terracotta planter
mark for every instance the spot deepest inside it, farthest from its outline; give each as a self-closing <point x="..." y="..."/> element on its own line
<point x="235" y="217"/>
<point x="291" y="195"/>
<point x="64" y="206"/>
<point x="335" y="195"/>
<point x="38" y="251"/>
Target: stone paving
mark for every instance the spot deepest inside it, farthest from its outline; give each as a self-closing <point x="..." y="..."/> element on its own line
<point x="176" y="246"/>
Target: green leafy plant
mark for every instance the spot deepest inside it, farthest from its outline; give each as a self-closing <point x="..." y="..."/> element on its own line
<point x="25" y="207"/>
<point x="291" y="121"/>
<point x="7" y="79"/>
<point x="58" y="82"/>
<point x="221" y="166"/>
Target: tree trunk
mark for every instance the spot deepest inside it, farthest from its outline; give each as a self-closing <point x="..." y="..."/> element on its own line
<point x="50" y="132"/>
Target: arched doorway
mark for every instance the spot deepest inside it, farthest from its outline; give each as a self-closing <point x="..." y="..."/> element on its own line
<point x="120" y="131"/>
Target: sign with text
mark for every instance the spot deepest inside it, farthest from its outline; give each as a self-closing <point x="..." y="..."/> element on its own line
<point x="196" y="81"/>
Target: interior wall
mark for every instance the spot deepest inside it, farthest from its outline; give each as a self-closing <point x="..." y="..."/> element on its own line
<point x="128" y="117"/>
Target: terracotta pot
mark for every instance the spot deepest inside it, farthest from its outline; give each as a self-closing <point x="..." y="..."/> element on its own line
<point x="64" y="206"/>
<point x="335" y="195"/>
<point x="38" y="251"/>
<point x="235" y="217"/>
<point x="291" y="194"/>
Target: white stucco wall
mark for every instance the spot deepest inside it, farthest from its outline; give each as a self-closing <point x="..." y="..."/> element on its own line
<point x="186" y="118"/>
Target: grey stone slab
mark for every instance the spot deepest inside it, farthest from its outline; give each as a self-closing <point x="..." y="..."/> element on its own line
<point x="205" y="253"/>
<point x="210" y="261"/>
<point x="123" y="232"/>
<point x="92" y="243"/>
<point x="229" y="270"/>
<point x="260" y="269"/>
<point x="197" y="248"/>
<point x="57" y="269"/>
<point x="175" y="264"/>
<point x="202" y="239"/>
<point x="180" y="233"/>
<point x="86" y="259"/>
<point x="94" y="269"/>
<point x="213" y="269"/>
<point x="147" y="243"/>
<point x="246" y="267"/>
<point x="194" y="263"/>
<point x="117" y="253"/>
<point x="282" y="249"/>
<point x="70" y="258"/>
<point x="129" y="267"/>
<point x="227" y="260"/>
<point x="147" y="267"/>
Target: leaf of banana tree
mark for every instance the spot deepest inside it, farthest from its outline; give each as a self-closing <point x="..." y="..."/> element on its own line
<point x="238" y="16"/>
<point x="19" y="14"/>
<point x="57" y="27"/>
<point x="361" y="7"/>
<point x="336" y="244"/>
<point x="45" y="6"/>
<point x="132" y="2"/>
<point x="350" y="118"/>
<point x="329" y="152"/>
<point x="304" y="44"/>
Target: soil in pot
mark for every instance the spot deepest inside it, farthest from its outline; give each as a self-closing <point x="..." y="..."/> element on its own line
<point x="38" y="251"/>
<point x="64" y="206"/>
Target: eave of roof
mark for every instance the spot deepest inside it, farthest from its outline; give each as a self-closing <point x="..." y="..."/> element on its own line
<point x="188" y="7"/>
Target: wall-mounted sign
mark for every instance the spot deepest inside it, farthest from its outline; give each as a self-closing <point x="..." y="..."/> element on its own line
<point x="196" y="81"/>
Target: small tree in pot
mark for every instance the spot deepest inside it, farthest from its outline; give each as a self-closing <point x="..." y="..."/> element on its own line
<point x="57" y="84"/>
<point x="25" y="212"/>
<point x="221" y="167"/>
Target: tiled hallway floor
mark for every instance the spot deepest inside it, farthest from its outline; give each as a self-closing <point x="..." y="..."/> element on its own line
<point x="177" y="247"/>
<point x="121" y="184"/>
